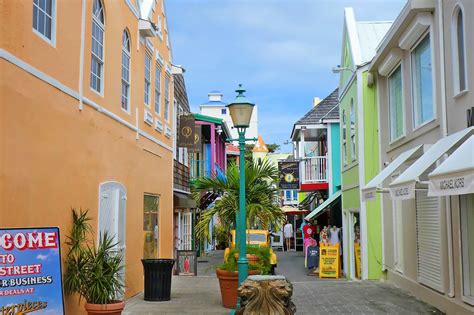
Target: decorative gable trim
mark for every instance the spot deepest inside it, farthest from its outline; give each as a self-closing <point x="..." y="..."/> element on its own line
<point x="352" y="35"/>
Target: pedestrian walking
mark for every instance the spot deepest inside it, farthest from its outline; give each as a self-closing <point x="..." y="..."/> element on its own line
<point x="288" y="234"/>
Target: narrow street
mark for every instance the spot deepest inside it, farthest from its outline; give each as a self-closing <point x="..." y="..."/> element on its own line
<point x="311" y="295"/>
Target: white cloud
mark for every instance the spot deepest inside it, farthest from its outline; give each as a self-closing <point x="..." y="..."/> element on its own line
<point x="42" y="257"/>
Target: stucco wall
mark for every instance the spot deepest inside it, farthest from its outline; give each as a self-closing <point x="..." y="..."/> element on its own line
<point x="371" y="169"/>
<point x="53" y="155"/>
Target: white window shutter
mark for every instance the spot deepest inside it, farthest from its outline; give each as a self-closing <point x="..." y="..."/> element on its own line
<point x="428" y="238"/>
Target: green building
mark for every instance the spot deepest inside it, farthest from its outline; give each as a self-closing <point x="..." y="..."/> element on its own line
<point x="359" y="147"/>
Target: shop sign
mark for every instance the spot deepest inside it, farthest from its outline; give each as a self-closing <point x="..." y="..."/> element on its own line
<point x="30" y="271"/>
<point x="329" y="261"/>
<point x="289" y="175"/>
<point x="197" y="143"/>
<point x="187" y="263"/>
<point x="357" y="260"/>
<point x="403" y="192"/>
<point x="369" y="194"/>
<point x="186" y="131"/>
<point x="455" y="185"/>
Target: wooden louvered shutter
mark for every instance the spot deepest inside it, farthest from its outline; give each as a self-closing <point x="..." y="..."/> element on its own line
<point x="428" y="238"/>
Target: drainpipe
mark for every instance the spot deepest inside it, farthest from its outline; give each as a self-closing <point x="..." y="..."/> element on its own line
<point x="81" y="55"/>
<point x="444" y="128"/>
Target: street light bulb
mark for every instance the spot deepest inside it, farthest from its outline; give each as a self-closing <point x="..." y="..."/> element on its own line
<point x="241" y="109"/>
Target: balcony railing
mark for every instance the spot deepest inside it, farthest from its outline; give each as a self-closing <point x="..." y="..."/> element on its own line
<point x="200" y="168"/>
<point x="314" y="170"/>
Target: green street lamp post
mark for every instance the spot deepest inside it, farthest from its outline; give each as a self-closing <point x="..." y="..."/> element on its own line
<point x="241" y="111"/>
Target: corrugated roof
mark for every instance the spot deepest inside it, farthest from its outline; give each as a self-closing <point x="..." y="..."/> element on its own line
<point x="328" y="108"/>
<point x="370" y="35"/>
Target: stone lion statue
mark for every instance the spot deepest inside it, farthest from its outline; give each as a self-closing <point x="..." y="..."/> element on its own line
<point x="269" y="297"/>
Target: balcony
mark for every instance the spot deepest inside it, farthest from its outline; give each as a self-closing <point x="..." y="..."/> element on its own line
<point x="314" y="173"/>
<point x="202" y="168"/>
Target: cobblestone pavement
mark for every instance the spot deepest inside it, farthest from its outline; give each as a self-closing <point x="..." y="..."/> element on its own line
<point x="311" y="295"/>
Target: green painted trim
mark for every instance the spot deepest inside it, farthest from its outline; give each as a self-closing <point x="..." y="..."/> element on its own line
<point x="208" y="119"/>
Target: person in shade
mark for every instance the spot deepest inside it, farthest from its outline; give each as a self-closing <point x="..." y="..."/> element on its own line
<point x="288" y="234"/>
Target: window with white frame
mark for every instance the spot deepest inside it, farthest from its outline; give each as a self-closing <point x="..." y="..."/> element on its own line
<point x="344" y="146"/>
<point x="167" y="99"/>
<point x="97" y="55"/>
<point x="291" y="196"/>
<point x="158" y="90"/>
<point x="125" y="71"/>
<point x="352" y="122"/>
<point x="395" y="102"/>
<point x="43" y="18"/>
<point x="467" y="240"/>
<point x="422" y="76"/>
<point x="147" y="86"/>
<point x="459" y="57"/>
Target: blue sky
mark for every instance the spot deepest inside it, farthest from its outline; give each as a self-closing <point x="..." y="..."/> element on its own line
<point x="281" y="50"/>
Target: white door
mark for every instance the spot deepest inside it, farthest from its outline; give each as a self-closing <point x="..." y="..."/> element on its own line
<point x="112" y="215"/>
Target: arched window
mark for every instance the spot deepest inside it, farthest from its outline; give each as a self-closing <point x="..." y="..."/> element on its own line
<point x="125" y="71"/>
<point x="352" y="126"/>
<point x="459" y="57"/>
<point x="97" y="54"/>
<point x="344" y="136"/>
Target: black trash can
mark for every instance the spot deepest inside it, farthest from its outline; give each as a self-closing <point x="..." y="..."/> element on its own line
<point x="158" y="279"/>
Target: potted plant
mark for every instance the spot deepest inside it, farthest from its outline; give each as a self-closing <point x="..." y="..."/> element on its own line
<point x="93" y="272"/>
<point x="228" y="276"/>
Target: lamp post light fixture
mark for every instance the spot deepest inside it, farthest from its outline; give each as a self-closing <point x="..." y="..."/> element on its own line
<point x="339" y="69"/>
<point x="241" y="111"/>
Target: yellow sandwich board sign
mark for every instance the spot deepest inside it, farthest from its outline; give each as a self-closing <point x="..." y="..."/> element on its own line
<point x="329" y="261"/>
<point x="357" y="259"/>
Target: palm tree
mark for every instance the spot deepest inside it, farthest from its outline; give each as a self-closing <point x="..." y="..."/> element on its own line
<point x="260" y="197"/>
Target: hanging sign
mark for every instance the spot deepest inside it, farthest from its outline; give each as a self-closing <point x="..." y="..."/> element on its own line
<point x="186" y="131"/>
<point x="196" y="148"/>
<point x="289" y="175"/>
<point x="329" y="261"/>
<point x="30" y="271"/>
<point x="369" y="194"/>
<point x="187" y="263"/>
<point x="403" y="192"/>
<point x="457" y="184"/>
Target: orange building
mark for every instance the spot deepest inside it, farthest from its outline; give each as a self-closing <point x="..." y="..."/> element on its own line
<point x="86" y="101"/>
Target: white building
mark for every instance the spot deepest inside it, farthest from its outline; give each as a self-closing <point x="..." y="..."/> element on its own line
<point x="216" y="107"/>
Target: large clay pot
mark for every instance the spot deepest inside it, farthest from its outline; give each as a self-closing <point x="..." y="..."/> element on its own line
<point x="115" y="308"/>
<point x="228" y="282"/>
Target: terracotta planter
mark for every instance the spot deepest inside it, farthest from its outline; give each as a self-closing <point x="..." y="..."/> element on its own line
<point x="228" y="282"/>
<point x="115" y="308"/>
<point x="252" y="259"/>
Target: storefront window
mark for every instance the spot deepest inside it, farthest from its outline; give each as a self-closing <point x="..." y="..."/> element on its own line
<point x="150" y="226"/>
<point x="467" y="235"/>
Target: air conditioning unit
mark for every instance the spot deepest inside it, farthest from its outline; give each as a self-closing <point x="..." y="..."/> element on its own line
<point x="148" y="117"/>
<point x="158" y="125"/>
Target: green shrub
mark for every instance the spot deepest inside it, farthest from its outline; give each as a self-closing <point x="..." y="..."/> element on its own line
<point x="263" y="253"/>
<point x="94" y="272"/>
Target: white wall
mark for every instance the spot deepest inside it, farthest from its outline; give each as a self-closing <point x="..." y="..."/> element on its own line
<point x="216" y="111"/>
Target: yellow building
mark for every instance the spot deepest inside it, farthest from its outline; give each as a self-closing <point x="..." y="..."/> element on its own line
<point x="86" y="121"/>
